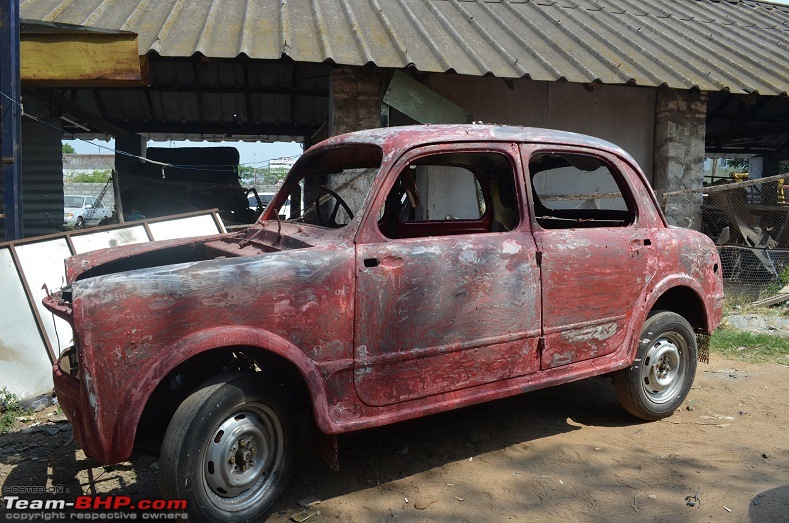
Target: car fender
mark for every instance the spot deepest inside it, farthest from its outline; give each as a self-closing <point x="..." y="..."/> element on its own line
<point x="672" y="281"/>
<point x="209" y="339"/>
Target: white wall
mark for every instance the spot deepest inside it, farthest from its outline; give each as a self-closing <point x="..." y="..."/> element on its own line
<point x="620" y="114"/>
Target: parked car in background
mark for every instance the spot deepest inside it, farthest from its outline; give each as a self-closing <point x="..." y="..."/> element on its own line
<point x="419" y="269"/>
<point x="82" y="211"/>
<point x="259" y="203"/>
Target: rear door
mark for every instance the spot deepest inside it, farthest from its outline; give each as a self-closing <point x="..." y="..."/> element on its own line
<point x="594" y="253"/>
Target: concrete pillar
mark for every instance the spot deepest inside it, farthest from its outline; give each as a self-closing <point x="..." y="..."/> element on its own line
<point x="762" y="167"/>
<point x="680" y="127"/>
<point x="355" y="97"/>
<point x="136" y="146"/>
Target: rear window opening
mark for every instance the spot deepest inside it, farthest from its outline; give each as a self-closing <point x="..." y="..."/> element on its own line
<point x="574" y="190"/>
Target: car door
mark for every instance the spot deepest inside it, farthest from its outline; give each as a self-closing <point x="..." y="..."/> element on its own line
<point x="594" y="254"/>
<point x="89" y="210"/>
<point x="448" y="286"/>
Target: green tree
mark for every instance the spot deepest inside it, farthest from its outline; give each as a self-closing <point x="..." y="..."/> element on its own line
<point x="68" y="149"/>
<point x="102" y="176"/>
<point x="260" y="175"/>
<point x="741" y="164"/>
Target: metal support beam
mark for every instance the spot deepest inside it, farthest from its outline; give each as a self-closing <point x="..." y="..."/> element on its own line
<point x="11" y="122"/>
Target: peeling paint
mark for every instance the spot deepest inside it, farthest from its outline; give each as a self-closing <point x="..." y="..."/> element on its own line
<point x="596" y="333"/>
<point x="511" y="247"/>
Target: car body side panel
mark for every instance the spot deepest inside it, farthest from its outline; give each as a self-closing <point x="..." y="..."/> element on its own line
<point x="138" y="325"/>
<point x="592" y="278"/>
<point x="443" y="313"/>
<point x="689" y="259"/>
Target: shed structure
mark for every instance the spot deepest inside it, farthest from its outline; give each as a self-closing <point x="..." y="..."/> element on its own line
<point x="670" y="81"/>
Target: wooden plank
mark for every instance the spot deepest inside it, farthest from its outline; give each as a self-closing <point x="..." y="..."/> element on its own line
<point x="782" y="296"/>
<point x="84" y="60"/>
<point x="772" y="300"/>
<point x="422" y="103"/>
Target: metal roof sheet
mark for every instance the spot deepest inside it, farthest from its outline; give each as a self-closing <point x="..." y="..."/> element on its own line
<point x="713" y="45"/>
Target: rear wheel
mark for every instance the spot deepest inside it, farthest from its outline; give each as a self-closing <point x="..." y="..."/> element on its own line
<point x="80" y="223"/>
<point x="659" y="379"/>
<point x="229" y="450"/>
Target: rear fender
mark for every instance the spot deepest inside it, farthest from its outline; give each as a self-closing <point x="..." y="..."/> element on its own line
<point x="681" y="280"/>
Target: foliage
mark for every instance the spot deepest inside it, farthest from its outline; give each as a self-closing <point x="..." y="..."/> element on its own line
<point x="99" y="176"/>
<point x="784" y="276"/>
<point x="68" y="149"/>
<point x="740" y="164"/>
<point x="753" y="348"/>
<point x="10" y="409"/>
<point x="261" y="175"/>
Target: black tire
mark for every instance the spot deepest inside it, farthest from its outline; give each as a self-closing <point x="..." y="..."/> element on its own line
<point x="229" y="450"/>
<point x="659" y="379"/>
<point x="80" y="223"/>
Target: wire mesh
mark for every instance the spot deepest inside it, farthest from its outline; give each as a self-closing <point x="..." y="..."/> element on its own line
<point x="747" y="220"/>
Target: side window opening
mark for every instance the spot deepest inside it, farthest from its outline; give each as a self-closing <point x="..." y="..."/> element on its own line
<point x="575" y="190"/>
<point x="452" y="193"/>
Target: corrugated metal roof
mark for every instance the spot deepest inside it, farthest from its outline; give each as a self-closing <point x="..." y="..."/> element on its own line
<point x="741" y="46"/>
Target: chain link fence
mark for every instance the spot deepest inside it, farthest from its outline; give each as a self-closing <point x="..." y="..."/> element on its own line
<point x="748" y="222"/>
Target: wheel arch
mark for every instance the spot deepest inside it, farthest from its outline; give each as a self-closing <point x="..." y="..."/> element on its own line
<point x="685" y="302"/>
<point x="683" y="296"/>
<point x="204" y="355"/>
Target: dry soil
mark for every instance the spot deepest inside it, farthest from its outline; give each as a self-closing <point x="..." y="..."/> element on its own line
<point x="563" y="454"/>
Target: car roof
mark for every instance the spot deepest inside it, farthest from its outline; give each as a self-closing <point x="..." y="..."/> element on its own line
<point x="408" y="136"/>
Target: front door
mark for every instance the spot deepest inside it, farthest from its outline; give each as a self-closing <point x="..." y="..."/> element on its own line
<point x="448" y="288"/>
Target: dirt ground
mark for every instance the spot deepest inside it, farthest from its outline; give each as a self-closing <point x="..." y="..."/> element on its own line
<point x="563" y="454"/>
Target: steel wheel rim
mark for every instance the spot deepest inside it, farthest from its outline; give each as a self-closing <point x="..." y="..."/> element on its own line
<point x="663" y="368"/>
<point x="243" y="458"/>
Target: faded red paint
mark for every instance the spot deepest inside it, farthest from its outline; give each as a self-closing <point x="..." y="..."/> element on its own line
<point x="487" y="315"/>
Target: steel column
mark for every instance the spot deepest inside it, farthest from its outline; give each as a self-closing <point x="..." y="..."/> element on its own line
<point x="11" y="113"/>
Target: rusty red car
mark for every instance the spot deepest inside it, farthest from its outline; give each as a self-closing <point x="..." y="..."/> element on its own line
<point x="417" y="269"/>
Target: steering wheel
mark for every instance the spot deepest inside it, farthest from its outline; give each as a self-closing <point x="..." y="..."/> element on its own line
<point x="338" y="201"/>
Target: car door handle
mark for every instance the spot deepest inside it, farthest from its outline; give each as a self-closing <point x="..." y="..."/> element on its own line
<point x="635" y="244"/>
<point x="388" y="262"/>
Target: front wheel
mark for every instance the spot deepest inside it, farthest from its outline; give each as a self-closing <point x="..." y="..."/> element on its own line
<point x="659" y="379"/>
<point x="229" y="450"/>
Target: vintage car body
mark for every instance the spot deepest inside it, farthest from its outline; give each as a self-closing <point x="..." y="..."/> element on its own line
<point x="365" y="326"/>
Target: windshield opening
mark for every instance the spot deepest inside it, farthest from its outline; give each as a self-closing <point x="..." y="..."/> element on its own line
<point x="72" y="201"/>
<point x="329" y="188"/>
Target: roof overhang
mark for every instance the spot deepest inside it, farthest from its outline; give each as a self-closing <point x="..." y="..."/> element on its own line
<point x="54" y="54"/>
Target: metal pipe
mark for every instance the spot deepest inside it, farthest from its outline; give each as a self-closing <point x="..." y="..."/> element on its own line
<point x="11" y="119"/>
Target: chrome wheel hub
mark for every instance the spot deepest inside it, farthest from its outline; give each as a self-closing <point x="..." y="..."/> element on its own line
<point x="242" y="459"/>
<point x="663" y="368"/>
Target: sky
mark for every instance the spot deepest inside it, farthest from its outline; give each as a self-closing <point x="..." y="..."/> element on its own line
<point x="252" y="153"/>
